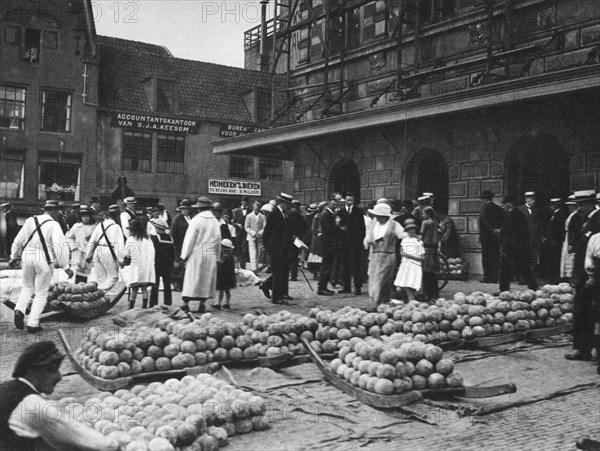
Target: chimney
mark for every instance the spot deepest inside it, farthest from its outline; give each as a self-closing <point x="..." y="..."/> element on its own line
<point x="264" y="57"/>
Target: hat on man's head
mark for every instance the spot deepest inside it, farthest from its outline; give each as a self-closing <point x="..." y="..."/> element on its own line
<point x="423" y="199"/>
<point x="160" y="206"/>
<point x="584" y="195"/>
<point x="529" y="194"/>
<point x="556" y="200"/>
<point x="410" y="224"/>
<point x="227" y="243"/>
<point x="597" y="197"/>
<point x="129" y="200"/>
<point x="430" y="195"/>
<point x="217" y="206"/>
<point x="153" y="209"/>
<point x="84" y="210"/>
<point x="5" y="205"/>
<point x="486" y="194"/>
<point x="51" y="204"/>
<point x="203" y="202"/>
<point x="571" y="200"/>
<point x="185" y="204"/>
<point x="113" y="208"/>
<point x="509" y="199"/>
<point x="322" y="204"/>
<point x="285" y="197"/>
<point x="312" y="207"/>
<point x="159" y="223"/>
<point x="37" y="355"/>
<point x="268" y="208"/>
<point x="245" y="199"/>
<point x="381" y="210"/>
<point x="296" y="202"/>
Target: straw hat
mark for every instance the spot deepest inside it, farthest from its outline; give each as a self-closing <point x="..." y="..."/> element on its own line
<point x="381" y="210"/>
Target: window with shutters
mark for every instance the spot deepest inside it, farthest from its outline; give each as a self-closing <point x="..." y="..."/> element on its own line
<point x="171" y="154"/>
<point x="374" y="21"/>
<point x="137" y="151"/>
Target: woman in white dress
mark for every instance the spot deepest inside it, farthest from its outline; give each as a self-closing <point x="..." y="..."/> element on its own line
<point x="410" y="273"/>
<point x="138" y="254"/>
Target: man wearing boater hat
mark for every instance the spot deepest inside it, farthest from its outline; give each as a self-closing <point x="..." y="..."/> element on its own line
<point x="277" y="240"/>
<point x="128" y="214"/>
<point x="41" y="246"/>
<point x="28" y="420"/>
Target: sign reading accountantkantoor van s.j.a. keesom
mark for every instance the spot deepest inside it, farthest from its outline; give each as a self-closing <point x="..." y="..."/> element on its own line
<point x="219" y="186"/>
<point x="154" y="123"/>
<point x="231" y="130"/>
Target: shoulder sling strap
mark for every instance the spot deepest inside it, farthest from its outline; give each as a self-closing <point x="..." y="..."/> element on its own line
<point x="34" y="232"/>
<point x="38" y="228"/>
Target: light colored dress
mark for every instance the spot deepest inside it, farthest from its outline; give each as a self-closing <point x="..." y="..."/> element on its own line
<point x="567" y="260"/>
<point x="141" y="269"/>
<point x="382" y="263"/>
<point x="410" y="273"/>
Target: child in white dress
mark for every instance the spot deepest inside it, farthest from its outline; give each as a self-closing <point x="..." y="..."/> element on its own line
<point x="410" y="274"/>
<point x="139" y="256"/>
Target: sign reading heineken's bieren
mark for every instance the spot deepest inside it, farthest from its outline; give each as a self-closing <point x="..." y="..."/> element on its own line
<point x="154" y="123"/>
<point x="217" y="186"/>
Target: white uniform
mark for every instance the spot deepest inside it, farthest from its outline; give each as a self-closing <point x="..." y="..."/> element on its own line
<point x="254" y="225"/>
<point x="105" y="268"/>
<point x="37" y="271"/>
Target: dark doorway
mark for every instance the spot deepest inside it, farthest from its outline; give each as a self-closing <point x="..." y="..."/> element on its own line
<point x="344" y="177"/>
<point x="537" y="164"/>
<point x="427" y="172"/>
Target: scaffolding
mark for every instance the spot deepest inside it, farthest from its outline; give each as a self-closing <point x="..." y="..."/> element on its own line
<point x="403" y="28"/>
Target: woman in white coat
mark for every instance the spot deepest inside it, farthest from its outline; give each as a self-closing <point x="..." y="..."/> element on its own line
<point x="200" y="250"/>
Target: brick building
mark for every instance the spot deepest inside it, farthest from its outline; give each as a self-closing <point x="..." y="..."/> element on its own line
<point x="48" y="80"/>
<point x="157" y="116"/>
<point x="395" y="98"/>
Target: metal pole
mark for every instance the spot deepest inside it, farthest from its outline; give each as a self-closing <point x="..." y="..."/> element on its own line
<point x="263" y="35"/>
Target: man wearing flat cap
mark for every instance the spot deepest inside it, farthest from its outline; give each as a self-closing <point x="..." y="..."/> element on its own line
<point x="490" y="221"/>
<point x="28" y="420"/>
<point x="41" y="246"/>
<point x="201" y="250"/>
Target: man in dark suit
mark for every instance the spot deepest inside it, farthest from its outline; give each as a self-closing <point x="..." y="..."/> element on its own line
<point x="299" y="228"/>
<point x="239" y="221"/>
<point x="329" y="235"/>
<point x="277" y="240"/>
<point x="490" y="221"/>
<point x="515" y="246"/>
<point x="556" y="237"/>
<point x="352" y="234"/>
<point x="12" y="227"/>
<point x="534" y="227"/>
<point x="583" y="302"/>
<point x="178" y="229"/>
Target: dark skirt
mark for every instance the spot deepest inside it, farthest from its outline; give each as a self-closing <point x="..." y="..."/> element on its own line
<point x="226" y="274"/>
<point x="431" y="260"/>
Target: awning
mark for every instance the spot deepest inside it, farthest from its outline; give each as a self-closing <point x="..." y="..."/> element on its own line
<point x="496" y="94"/>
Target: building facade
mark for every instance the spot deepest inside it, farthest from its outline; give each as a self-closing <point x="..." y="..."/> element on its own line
<point x="396" y="98"/>
<point x="48" y="99"/>
<point x="158" y="115"/>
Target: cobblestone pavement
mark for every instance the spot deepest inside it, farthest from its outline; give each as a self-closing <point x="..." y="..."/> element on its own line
<point x="547" y="424"/>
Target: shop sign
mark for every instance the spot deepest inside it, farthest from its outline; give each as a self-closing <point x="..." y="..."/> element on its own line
<point x="154" y="123"/>
<point x="231" y="130"/>
<point x="234" y="187"/>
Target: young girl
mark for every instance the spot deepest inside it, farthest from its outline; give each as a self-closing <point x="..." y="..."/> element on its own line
<point x="410" y="274"/>
<point x="225" y="273"/>
<point x="78" y="237"/>
<point x="139" y="256"/>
